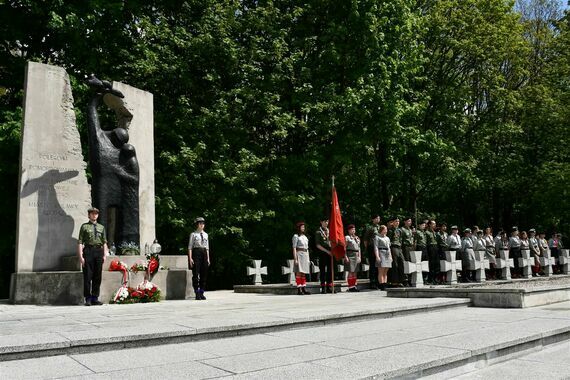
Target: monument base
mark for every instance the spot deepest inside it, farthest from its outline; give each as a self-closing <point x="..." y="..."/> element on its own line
<point x="66" y="287"/>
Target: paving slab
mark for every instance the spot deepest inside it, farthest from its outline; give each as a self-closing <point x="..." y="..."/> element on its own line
<point x="42" y="368"/>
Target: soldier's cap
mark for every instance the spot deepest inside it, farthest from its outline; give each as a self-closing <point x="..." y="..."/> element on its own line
<point x="392" y="218"/>
<point x="454" y="227"/>
<point x="467" y="230"/>
<point x="93" y="210"/>
<point x="323" y="218"/>
<point x="515" y="228"/>
<point x="299" y="224"/>
<point x="199" y="220"/>
<point x="531" y="231"/>
<point x="374" y="215"/>
<point x="350" y="226"/>
<point x="480" y="232"/>
<point x="443" y="224"/>
<point x="423" y="221"/>
<point x="407" y="218"/>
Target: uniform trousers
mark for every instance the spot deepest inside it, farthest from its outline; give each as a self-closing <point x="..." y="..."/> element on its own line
<point x="515" y="254"/>
<point x="433" y="261"/>
<point x="92" y="269"/>
<point x="325" y="270"/>
<point x="372" y="271"/>
<point x="406" y="249"/>
<point x="200" y="268"/>
<point x="396" y="274"/>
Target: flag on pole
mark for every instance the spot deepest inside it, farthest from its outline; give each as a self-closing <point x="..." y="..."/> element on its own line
<point x="336" y="229"/>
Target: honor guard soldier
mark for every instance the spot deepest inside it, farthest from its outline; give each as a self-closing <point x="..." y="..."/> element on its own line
<point x="199" y="257"/>
<point x="396" y="274"/>
<point x="324" y="248"/>
<point x="490" y="252"/>
<point x="301" y="258"/>
<point x="420" y="243"/>
<point x="92" y="250"/>
<point x="370" y="234"/>
<point x="442" y="246"/>
<point x="433" y="255"/>
<point x="352" y="257"/>
<point x="407" y="243"/>
<point x="383" y="256"/>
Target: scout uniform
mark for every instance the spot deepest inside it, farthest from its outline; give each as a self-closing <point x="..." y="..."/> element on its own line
<point x="468" y="256"/>
<point x="300" y="243"/>
<point x="442" y="246"/>
<point x="515" y="251"/>
<point x="352" y="259"/>
<point x="433" y="255"/>
<point x="93" y="239"/>
<point x="325" y="270"/>
<point x="396" y="274"/>
<point x="369" y="237"/>
<point x="382" y="248"/>
<point x="420" y="242"/>
<point x="199" y="246"/>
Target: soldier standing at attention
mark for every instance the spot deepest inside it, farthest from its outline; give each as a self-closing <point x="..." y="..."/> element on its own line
<point x="407" y="244"/>
<point x="199" y="257"/>
<point x="369" y="235"/>
<point x="442" y="246"/>
<point x="490" y="251"/>
<point x="324" y="247"/>
<point x="420" y="243"/>
<point x="383" y="257"/>
<point x="301" y="258"/>
<point x="92" y="251"/>
<point x="396" y="274"/>
<point x="433" y="258"/>
<point x="542" y="245"/>
<point x="352" y="257"/>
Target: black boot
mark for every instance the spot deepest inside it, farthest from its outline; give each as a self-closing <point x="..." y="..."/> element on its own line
<point x="299" y="291"/>
<point x="305" y="292"/>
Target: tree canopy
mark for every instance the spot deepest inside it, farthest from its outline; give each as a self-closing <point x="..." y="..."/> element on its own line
<point x="453" y="109"/>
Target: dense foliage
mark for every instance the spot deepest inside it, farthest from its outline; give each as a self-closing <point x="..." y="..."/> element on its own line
<point x="456" y="109"/>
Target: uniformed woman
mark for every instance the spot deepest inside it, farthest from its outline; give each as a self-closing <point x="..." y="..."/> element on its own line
<point x="301" y="258"/>
<point x="352" y="257"/>
<point x="383" y="256"/>
<point x="490" y="252"/>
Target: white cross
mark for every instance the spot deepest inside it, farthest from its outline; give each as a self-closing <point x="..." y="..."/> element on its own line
<point x="340" y="268"/>
<point x="450" y="265"/>
<point x="526" y="262"/>
<point x="505" y="264"/>
<point x="564" y="261"/>
<point x="315" y="268"/>
<point x="256" y="271"/>
<point x="415" y="268"/>
<point x="481" y="263"/>
<point x="289" y="270"/>
<point x="546" y="262"/>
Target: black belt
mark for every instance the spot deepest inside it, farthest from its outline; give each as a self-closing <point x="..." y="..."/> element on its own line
<point x="352" y="250"/>
<point x="301" y="249"/>
<point x="93" y="246"/>
<point x="383" y="249"/>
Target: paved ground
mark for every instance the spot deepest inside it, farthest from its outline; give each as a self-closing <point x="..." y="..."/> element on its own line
<point x="351" y="349"/>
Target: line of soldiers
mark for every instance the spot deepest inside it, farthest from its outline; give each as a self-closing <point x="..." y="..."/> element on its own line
<point x="388" y="246"/>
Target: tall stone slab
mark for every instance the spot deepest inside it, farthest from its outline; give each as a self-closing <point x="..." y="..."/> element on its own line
<point x="53" y="191"/>
<point x="139" y="104"/>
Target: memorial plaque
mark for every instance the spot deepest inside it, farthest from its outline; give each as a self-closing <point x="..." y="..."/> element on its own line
<point x="53" y="191"/>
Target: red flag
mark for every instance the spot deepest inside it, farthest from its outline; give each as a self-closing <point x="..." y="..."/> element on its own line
<point x="336" y="229"/>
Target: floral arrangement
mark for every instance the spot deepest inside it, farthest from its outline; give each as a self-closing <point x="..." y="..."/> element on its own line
<point x="139" y="266"/>
<point x="146" y="291"/>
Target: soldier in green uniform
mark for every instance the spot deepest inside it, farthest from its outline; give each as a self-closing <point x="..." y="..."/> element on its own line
<point x="442" y="246"/>
<point x="324" y="248"/>
<point x="420" y="243"/>
<point x="433" y="256"/>
<point x="369" y="235"/>
<point x="396" y="275"/>
<point x="407" y="243"/>
<point x="92" y="250"/>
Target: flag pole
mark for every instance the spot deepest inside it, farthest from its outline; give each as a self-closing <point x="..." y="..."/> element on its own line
<point x="332" y="257"/>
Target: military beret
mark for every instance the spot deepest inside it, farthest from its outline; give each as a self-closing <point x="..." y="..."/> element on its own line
<point x="407" y="218"/>
<point x="323" y="218"/>
<point x="93" y="210"/>
<point x="199" y="220"/>
<point x="299" y="224"/>
<point x="374" y="215"/>
<point x="350" y="226"/>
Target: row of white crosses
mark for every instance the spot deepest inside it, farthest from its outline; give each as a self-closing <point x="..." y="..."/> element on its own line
<point x="450" y="266"/>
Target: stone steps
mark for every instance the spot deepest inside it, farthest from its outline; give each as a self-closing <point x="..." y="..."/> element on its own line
<point x="51" y="344"/>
